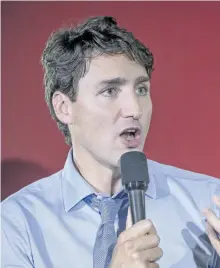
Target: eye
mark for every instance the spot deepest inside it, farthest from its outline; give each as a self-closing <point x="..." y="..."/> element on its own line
<point x="110" y="92"/>
<point x="142" y="91"/>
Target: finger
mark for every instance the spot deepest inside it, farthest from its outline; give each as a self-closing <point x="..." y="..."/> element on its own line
<point x="213" y="237"/>
<point x="145" y="242"/>
<point x="129" y="219"/>
<point x="153" y="265"/>
<point x="216" y="200"/>
<point x="129" y="223"/>
<point x="152" y="230"/>
<point x="153" y="254"/>
<point x="139" y="229"/>
<point x="212" y="219"/>
<point x="146" y="264"/>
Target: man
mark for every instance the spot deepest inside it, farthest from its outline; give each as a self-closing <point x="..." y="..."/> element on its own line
<point x="97" y="81"/>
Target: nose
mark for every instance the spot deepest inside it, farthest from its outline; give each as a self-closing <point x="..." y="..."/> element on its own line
<point x="130" y="107"/>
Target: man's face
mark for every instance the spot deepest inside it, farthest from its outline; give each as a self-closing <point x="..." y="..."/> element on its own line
<point x="113" y="95"/>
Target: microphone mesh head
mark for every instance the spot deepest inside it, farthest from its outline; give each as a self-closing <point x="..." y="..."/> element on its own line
<point x="134" y="167"/>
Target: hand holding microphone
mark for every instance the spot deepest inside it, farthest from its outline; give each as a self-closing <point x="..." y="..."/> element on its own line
<point x="137" y="246"/>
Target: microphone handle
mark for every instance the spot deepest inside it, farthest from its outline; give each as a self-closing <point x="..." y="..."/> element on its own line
<point x="137" y="204"/>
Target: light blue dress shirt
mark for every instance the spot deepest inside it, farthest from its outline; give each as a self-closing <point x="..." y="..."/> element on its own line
<point x="49" y="223"/>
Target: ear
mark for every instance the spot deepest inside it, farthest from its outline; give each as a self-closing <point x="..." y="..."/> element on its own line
<point x="63" y="107"/>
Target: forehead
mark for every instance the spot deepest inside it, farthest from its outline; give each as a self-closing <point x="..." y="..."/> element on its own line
<point x="108" y="67"/>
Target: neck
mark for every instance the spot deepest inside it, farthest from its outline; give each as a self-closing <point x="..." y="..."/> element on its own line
<point x="102" y="178"/>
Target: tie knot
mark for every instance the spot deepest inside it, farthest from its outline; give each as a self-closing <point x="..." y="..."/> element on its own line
<point x="108" y="208"/>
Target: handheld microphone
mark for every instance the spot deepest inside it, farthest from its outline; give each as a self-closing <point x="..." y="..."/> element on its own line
<point x="135" y="179"/>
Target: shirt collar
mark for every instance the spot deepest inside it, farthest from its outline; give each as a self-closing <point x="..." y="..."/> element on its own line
<point x="75" y="188"/>
<point x="158" y="186"/>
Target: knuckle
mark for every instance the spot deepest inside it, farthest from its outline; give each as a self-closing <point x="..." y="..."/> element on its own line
<point x="128" y="245"/>
<point x="160" y="252"/>
<point x="150" y="223"/>
<point x="142" y="223"/>
<point x="157" y="240"/>
<point x="136" y="256"/>
<point x="155" y="265"/>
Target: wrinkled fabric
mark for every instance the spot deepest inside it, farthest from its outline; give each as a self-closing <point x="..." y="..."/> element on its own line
<point x="49" y="223"/>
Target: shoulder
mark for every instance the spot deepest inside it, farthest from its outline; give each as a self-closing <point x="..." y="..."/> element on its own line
<point x="181" y="182"/>
<point x="188" y="187"/>
<point x="20" y="214"/>
<point x="32" y="196"/>
<point x="179" y="173"/>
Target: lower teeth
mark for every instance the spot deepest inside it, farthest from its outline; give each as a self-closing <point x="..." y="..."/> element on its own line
<point x="129" y="137"/>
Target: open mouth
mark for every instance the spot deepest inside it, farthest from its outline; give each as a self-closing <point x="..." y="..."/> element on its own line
<point x="130" y="133"/>
<point x="131" y="137"/>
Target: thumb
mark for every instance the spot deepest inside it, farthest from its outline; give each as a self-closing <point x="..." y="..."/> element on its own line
<point x="129" y="219"/>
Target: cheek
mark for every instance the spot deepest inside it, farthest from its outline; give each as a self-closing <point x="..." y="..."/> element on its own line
<point x="147" y="113"/>
<point x="146" y="105"/>
<point x="150" y="110"/>
<point x="92" y="120"/>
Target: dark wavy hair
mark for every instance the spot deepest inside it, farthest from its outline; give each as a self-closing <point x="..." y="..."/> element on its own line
<point x="69" y="51"/>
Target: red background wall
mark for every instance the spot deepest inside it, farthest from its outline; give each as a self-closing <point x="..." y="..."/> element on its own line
<point x="185" y="40"/>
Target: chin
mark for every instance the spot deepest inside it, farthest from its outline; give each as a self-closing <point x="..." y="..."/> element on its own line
<point x="116" y="160"/>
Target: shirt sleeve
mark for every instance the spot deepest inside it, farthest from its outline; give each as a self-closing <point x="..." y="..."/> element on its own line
<point x="15" y="245"/>
<point x="215" y="190"/>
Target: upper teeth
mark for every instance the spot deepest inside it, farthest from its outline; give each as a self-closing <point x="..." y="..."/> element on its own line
<point x="129" y="131"/>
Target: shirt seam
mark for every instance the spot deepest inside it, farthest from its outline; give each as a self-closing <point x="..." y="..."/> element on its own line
<point x="23" y="230"/>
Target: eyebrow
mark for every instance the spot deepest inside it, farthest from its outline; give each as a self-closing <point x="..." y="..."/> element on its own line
<point x="119" y="81"/>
